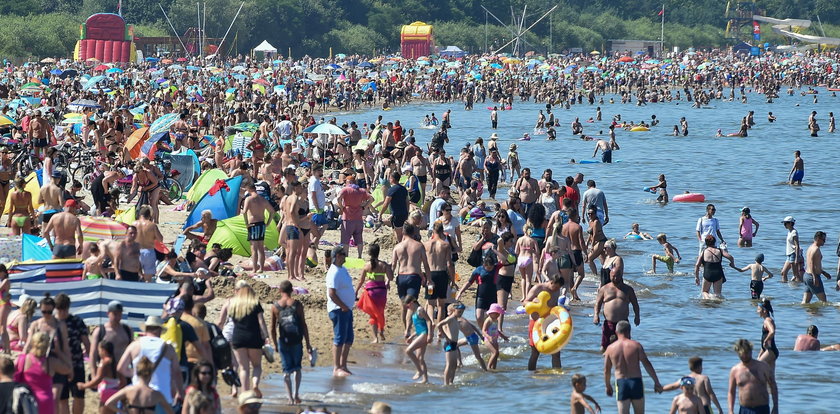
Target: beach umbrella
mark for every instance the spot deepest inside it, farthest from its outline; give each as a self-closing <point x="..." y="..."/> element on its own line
<point x="30" y="88"/>
<point x="193" y="68"/>
<point x="152" y="59"/>
<point x="176" y="67"/>
<point x="163" y="123"/>
<point x="246" y="126"/>
<point x="84" y="103"/>
<point x="332" y="66"/>
<point x="239" y="68"/>
<point x="625" y="59"/>
<point x="93" y="81"/>
<point x="101" y="228"/>
<point x="101" y="67"/>
<point x="340" y="55"/>
<point x="328" y="129"/>
<point x="114" y="70"/>
<point x="48" y="60"/>
<point x="262" y="82"/>
<point x="181" y="59"/>
<point x="69" y="73"/>
<point x="55" y="72"/>
<point x="365" y="65"/>
<point x="6" y="120"/>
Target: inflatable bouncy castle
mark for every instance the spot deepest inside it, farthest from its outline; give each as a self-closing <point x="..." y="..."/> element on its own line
<point x="416" y="40"/>
<point x="106" y="38"/>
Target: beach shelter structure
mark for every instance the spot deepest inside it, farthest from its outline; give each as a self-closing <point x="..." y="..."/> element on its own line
<point x="232" y="233"/>
<point x="265" y="47"/>
<point x="453" y="51"/>
<point x="221" y="199"/>
<point x="203" y="184"/>
<point x="416" y="39"/>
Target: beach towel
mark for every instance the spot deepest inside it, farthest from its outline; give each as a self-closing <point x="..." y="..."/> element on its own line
<point x="373" y="302"/>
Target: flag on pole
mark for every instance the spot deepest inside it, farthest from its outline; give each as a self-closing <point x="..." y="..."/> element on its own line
<point x="661" y="12"/>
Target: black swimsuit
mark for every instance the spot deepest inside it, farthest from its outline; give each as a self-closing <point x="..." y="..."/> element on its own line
<point x="712" y="271"/>
<point x="772" y="348"/>
<point x="443" y="171"/>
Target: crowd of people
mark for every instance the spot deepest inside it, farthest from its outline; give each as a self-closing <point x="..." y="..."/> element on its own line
<point x="542" y="234"/>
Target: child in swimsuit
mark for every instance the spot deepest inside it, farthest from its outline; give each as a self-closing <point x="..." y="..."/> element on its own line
<point x="492" y="333"/>
<point x="472" y="335"/>
<point x="526" y="250"/>
<point x="636" y="234"/>
<point x="757" y="278"/>
<point x="671" y="256"/>
<point x="745" y="228"/>
<point x="107" y="381"/>
<point x="417" y="343"/>
<point x="93" y="264"/>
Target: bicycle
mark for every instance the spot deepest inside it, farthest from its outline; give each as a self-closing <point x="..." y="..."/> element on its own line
<point x="171" y="187"/>
<point x="25" y="161"/>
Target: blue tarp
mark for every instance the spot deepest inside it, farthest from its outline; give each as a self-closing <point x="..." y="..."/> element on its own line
<point x="223" y="204"/>
<point x="34" y="248"/>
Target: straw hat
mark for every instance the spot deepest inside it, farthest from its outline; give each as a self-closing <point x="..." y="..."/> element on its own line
<point x="152" y="322"/>
<point x="494" y="136"/>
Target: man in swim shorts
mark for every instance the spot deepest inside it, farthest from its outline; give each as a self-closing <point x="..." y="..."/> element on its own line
<point x="752" y="379"/>
<point x="797" y="172"/>
<point x="625" y="355"/>
<point x="256" y="210"/>
<point x="66" y="228"/>
<point x="127" y="258"/>
<point x="410" y="264"/>
<point x="615" y="298"/>
<point x="814" y="269"/>
<point x="147" y="235"/>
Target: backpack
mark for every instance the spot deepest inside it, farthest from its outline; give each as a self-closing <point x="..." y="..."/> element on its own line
<point x="290" y="333"/>
<point x="220" y="348"/>
<point x="172" y="335"/>
<point x="23" y="402"/>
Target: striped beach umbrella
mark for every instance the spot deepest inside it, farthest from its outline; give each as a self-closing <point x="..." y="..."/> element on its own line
<point x="101" y="228"/>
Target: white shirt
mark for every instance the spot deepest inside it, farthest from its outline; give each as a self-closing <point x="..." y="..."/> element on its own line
<point x="434" y="211"/>
<point x="320" y="198"/>
<point x="284" y="129"/>
<point x="150" y="347"/>
<point x="790" y="247"/>
<point x="339" y="278"/>
<point x="707" y="226"/>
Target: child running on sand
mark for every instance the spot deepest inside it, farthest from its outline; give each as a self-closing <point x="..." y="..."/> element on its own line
<point x="671" y="256"/>
<point x="492" y="333"/>
<point x="757" y="270"/>
<point x="417" y="343"/>
<point x="579" y="400"/>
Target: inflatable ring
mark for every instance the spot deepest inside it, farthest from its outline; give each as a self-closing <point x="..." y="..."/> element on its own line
<point x="639" y="129"/>
<point x="552" y="333"/>
<point x="540" y="306"/>
<point x="690" y="198"/>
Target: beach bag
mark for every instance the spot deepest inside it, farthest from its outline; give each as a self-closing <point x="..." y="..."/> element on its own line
<point x="475" y="258"/>
<point x="220" y="348"/>
<point x="289" y="325"/>
<point x="23" y="402"/>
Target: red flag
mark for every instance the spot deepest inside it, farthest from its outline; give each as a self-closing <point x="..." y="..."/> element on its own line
<point x="661" y="12"/>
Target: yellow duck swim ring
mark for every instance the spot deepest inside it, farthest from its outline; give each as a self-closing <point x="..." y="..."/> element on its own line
<point x="553" y="330"/>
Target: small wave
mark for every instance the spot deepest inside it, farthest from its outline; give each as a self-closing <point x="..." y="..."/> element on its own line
<point x="377" y="388"/>
<point x="333" y="397"/>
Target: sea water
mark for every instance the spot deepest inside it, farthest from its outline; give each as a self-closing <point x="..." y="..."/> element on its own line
<point x="675" y="323"/>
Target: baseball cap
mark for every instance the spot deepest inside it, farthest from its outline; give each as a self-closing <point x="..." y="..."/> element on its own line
<point x="56" y="174"/>
<point x="686" y="381"/>
<point x="71" y="203"/>
<point x="789" y="219"/>
<point x="115" y="306"/>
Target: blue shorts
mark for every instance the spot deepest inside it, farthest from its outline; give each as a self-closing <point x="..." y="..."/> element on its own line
<point x="629" y="389"/>
<point x="798" y="175"/>
<point x="291" y="356"/>
<point x="762" y="409"/>
<point x="342" y="327"/>
<point x="792" y="257"/>
<point x="473" y="339"/>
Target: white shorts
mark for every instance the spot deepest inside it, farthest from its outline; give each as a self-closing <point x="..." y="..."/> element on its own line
<point x="148" y="261"/>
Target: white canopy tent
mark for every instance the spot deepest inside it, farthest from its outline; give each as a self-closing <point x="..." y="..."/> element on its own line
<point x="265" y="47"/>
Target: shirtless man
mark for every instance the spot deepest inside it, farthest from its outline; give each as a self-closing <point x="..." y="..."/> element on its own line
<point x="147" y="234"/>
<point x="814" y="269"/>
<point x="606" y="150"/>
<point x="410" y="264"/>
<point x="256" y="209"/>
<point x="127" y="257"/>
<point x="625" y="355"/>
<point x="419" y="167"/>
<point x="615" y="298"/>
<point x="573" y="230"/>
<point x="38" y="132"/>
<point x="797" y="172"/>
<point x="442" y="272"/>
<point x="555" y="288"/>
<point x="67" y="229"/>
<point x="51" y="196"/>
<point x="466" y="166"/>
<point x="702" y="386"/>
<point x="529" y="190"/>
<point x="207" y="224"/>
<point x="752" y="378"/>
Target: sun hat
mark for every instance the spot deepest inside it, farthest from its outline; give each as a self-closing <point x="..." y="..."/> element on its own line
<point x="496" y="308"/>
<point x="249" y="397"/>
<point x="151" y="322"/>
<point x="789" y="219"/>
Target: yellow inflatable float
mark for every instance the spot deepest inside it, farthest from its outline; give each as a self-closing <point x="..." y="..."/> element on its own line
<point x="553" y="330"/>
<point x="639" y="129"/>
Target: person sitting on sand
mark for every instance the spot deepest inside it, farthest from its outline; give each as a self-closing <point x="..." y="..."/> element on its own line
<point x="207" y="224"/>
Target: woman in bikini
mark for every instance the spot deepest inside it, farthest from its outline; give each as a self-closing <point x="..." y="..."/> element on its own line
<point x="304" y="223"/>
<point x="361" y="168"/>
<point x="21" y="212"/>
<point x="7" y="173"/>
<point x="596" y="240"/>
<point x="507" y="273"/>
<point x="19" y="320"/>
<point x="563" y="245"/>
<point x="140" y="398"/>
<point x="377" y="277"/>
<point x="148" y="184"/>
<point x="289" y="228"/>
<point x="527" y="253"/>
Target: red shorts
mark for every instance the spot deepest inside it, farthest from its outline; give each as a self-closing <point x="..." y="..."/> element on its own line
<point x="607" y="334"/>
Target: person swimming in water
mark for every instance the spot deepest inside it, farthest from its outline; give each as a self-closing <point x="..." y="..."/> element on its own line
<point x="634" y="233"/>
